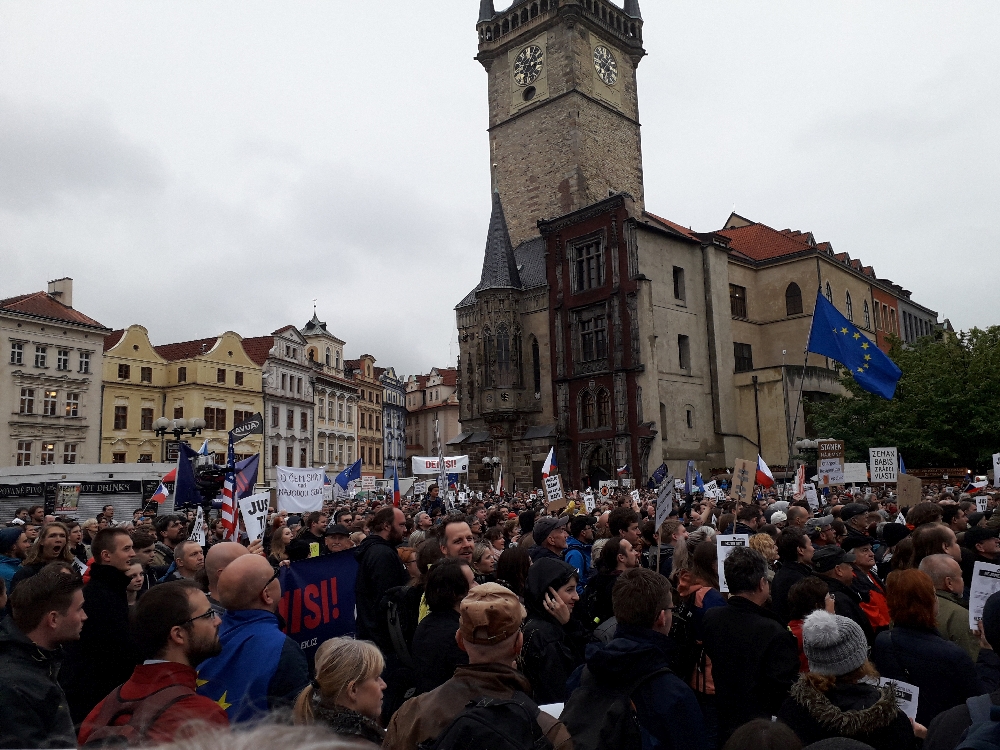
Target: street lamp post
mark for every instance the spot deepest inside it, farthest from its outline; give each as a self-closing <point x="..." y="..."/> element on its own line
<point x="491" y="462"/>
<point x="178" y="428"/>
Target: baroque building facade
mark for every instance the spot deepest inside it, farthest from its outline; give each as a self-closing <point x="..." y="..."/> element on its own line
<point x="430" y="399"/>
<point x="50" y="389"/>
<point x="361" y="373"/>
<point x="394" y="461"/>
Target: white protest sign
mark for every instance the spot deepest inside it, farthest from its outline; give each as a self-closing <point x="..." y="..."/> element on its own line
<point x="811" y="497"/>
<point x="711" y="488"/>
<point x="462" y="497"/>
<point x="300" y="490"/>
<point x="80" y="565"/>
<point x="985" y="583"/>
<point x="608" y="483"/>
<point x="367" y="484"/>
<point x="605" y="491"/>
<point x="198" y="531"/>
<point x="996" y="469"/>
<point x="588" y="502"/>
<point x="884" y="465"/>
<point x="664" y="502"/>
<point x="981" y="504"/>
<point x="725" y="546"/>
<point x="253" y="508"/>
<point x="626" y="483"/>
<point x="831" y="472"/>
<point x="856" y="473"/>
<point x="635" y="495"/>
<point x="553" y="488"/>
<point x="906" y="696"/>
<point x="420" y="488"/>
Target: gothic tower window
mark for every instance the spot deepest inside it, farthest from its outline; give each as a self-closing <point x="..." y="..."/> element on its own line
<point x="593" y="338"/>
<point x="829" y="293"/>
<point x="503" y="357"/>
<point x="850" y="307"/>
<point x="587" y="410"/>
<point x="490" y="358"/>
<point x="603" y="408"/>
<point x="518" y="360"/>
<point x="793" y="299"/>
<point x="536" y="365"/>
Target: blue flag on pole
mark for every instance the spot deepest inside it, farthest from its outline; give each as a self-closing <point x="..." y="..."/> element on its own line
<point x="349" y="474"/>
<point x="902" y="466"/>
<point x="834" y="336"/>
<point x="658" y="476"/>
<point x="185" y="490"/>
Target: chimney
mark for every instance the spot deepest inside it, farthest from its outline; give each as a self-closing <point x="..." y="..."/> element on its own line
<point x="62" y="290"/>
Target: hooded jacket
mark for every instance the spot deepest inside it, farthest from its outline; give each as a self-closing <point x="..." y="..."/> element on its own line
<point x="668" y="712"/>
<point x="578" y="555"/>
<point x="33" y="708"/>
<point x="8" y="567"/>
<point x="105" y="655"/>
<point x="379" y="569"/>
<point x="551" y="650"/>
<point x="857" y="711"/>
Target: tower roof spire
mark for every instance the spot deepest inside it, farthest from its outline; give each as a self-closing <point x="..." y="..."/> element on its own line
<point x="632" y="9"/>
<point x="486" y="10"/>
<point x="499" y="264"/>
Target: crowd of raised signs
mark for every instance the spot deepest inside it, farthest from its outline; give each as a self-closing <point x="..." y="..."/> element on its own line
<point x="511" y="623"/>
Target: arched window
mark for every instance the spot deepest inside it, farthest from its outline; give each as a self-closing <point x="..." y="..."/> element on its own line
<point x="868" y="316"/>
<point x="850" y="307"/>
<point x="603" y="408"/>
<point x="587" y="410"/>
<point x="503" y="356"/>
<point x="516" y="353"/>
<point x="536" y="366"/>
<point x="490" y="358"/>
<point x="829" y="293"/>
<point x="793" y="299"/>
<point x="327" y="356"/>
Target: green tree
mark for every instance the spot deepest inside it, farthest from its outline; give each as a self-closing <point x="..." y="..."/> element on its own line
<point x="946" y="411"/>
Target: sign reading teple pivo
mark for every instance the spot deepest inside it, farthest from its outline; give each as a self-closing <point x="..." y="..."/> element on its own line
<point x="884" y="465"/>
<point x="830" y="464"/>
<point x="744" y="475"/>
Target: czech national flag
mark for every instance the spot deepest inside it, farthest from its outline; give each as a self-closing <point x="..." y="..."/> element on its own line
<point x="764" y="476"/>
<point x="161" y="493"/>
<point x="395" y="488"/>
<point x="623" y="470"/>
<point x="550" y="466"/>
<point x="974" y="488"/>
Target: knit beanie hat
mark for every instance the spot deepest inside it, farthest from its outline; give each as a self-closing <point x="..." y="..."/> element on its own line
<point x="833" y="644"/>
<point x="7" y="538"/>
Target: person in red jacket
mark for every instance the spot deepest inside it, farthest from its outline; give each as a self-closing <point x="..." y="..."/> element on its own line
<point x="176" y="629"/>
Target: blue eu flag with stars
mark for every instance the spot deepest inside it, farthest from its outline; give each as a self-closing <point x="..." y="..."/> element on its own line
<point x="834" y="336"/>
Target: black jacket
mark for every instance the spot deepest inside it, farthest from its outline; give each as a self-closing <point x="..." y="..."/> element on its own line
<point x="435" y="651"/>
<point x="787" y="576"/>
<point x="379" y="569"/>
<point x="105" y="655"/>
<point x="551" y="651"/>
<point x="755" y="660"/>
<point x="944" y="673"/>
<point x="25" y="571"/>
<point x="948" y="726"/>
<point x="859" y="712"/>
<point x="33" y="708"/>
<point x="847" y="603"/>
<point x="599" y="602"/>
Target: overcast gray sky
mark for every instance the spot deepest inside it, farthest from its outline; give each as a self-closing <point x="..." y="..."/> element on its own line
<point x="202" y="165"/>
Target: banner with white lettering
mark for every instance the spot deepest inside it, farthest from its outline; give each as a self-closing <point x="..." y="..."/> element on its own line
<point x="430" y="464"/>
<point x="253" y="508"/>
<point x="317" y="599"/>
<point x="300" y="490"/>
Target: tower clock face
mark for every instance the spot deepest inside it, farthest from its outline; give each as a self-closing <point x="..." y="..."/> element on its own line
<point x="528" y="65"/>
<point x="605" y="65"/>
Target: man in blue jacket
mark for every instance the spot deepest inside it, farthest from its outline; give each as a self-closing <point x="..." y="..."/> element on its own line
<point x="578" y="548"/>
<point x="666" y="708"/>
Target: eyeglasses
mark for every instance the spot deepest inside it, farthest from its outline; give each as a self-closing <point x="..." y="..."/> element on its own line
<point x="270" y="580"/>
<point x="210" y="615"/>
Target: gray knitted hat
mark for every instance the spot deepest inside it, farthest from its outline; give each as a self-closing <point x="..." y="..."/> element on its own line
<point x="833" y="644"/>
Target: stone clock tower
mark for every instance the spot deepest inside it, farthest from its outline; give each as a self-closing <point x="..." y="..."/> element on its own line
<point x="563" y="104"/>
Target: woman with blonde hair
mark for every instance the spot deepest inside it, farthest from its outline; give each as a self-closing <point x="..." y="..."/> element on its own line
<point x="764" y="543"/>
<point x="280" y="539"/>
<point x="346" y="693"/>
<point x="52" y="545"/>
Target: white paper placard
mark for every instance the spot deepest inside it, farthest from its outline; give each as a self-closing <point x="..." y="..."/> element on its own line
<point x="626" y="483"/>
<point x="635" y="495"/>
<point x="300" y="490"/>
<point x="906" y="696"/>
<point x="811" y="497"/>
<point x="588" y="502"/>
<point x="253" y="509"/>
<point x="198" y="531"/>
<point x="981" y="504"/>
<point x="664" y="502"/>
<point x="725" y="545"/>
<point x="996" y="469"/>
<point x="884" y="465"/>
<point x="856" y="473"/>
<point x="985" y="583"/>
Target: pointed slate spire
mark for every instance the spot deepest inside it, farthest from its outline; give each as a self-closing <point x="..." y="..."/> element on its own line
<point x="632" y="9"/>
<point x="499" y="265"/>
<point x="486" y="10"/>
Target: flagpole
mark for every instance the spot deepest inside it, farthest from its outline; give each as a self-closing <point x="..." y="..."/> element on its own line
<point x="795" y="421"/>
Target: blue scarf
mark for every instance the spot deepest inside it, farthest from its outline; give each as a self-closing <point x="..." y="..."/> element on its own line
<point x="238" y="678"/>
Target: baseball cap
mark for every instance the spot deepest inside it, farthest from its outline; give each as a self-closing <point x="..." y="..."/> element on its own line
<point x="337" y="528"/>
<point x="815" y="525"/>
<point x="978" y="535"/>
<point x="829" y="557"/>
<point x="579" y="523"/>
<point x="778" y="516"/>
<point x="489" y="614"/>
<point x="545" y="526"/>
<point x="853" y="509"/>
<point x="8" y="537"/>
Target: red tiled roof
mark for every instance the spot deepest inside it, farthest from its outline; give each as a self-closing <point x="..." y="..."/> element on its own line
<point x="282" y="330"/>
<point x="760" y="242"/>
<point x="258" y="348"/>
<point x="185" y="349"/>
<point x="44" y="305"/>
<point x="676" y="227"/>
<point x="113" y="338"/>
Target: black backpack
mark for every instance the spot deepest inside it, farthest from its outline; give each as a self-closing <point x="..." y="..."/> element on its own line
<point x="600" y="717"/>
<point x="688" y="652"/>
<point x="493" y="724"/>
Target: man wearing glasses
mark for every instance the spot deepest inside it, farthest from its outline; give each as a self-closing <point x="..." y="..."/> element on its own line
<point x="176" y="630"/>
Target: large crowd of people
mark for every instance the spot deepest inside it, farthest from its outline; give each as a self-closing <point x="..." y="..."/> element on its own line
<point x="513" y="623"/>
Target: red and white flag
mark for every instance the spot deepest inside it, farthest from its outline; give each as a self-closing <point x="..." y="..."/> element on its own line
<point x="800" y="483"/>
<point x="764" y="476"/>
